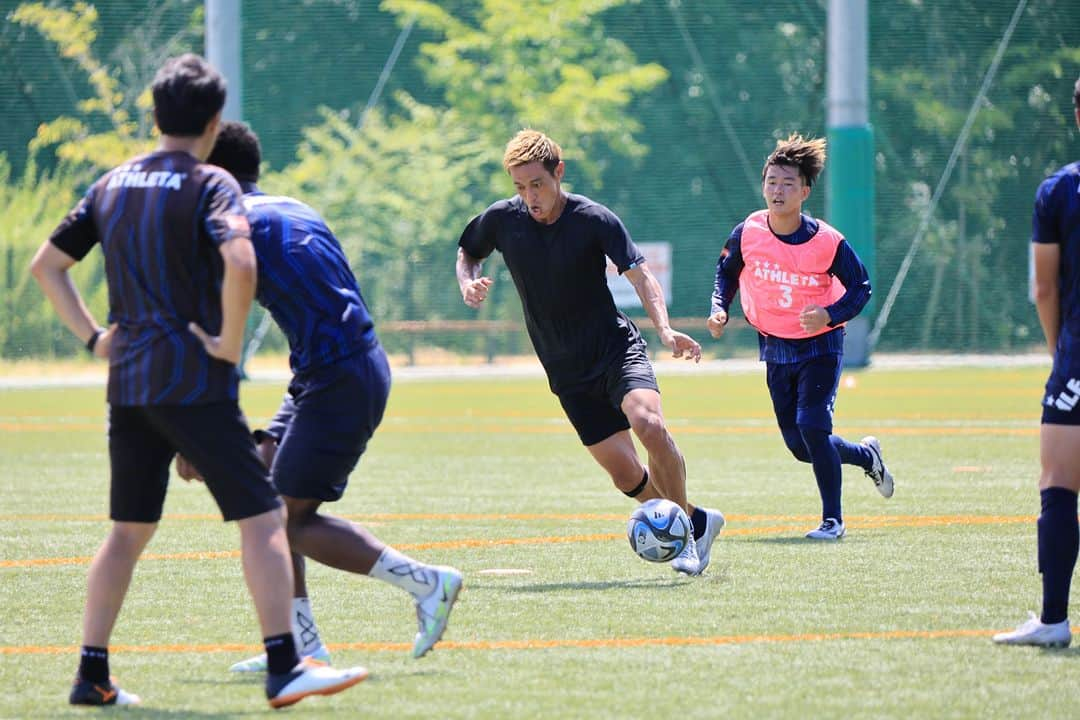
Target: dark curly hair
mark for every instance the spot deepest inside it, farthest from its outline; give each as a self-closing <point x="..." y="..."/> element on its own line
<point x="237" y="150"/>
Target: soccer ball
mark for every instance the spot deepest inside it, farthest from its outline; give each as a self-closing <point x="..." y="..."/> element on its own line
<point x="658" y="530"/>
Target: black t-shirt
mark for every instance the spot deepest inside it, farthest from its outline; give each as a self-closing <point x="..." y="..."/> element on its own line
<point x="560" y="274"/>
<point x="160" y="219"/>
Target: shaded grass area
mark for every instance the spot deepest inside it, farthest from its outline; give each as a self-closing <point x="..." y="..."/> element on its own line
<point x="778" y="627"/>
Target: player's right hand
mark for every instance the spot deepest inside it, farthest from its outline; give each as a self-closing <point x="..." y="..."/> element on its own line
<point x="475" y="291"/>
<point x="213" y="345"/>
<point x="716" y="323"/>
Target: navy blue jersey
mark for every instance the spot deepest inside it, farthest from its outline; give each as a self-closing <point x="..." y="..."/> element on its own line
<point x="160" y="219"/>
<point x="306" y="283"/>
<point x="1057" y="220"/>
<point x="846" y="266"/>
<point x="560" y="271"/>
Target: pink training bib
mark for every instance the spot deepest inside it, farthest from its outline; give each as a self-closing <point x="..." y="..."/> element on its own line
<point x="778" y="280"/>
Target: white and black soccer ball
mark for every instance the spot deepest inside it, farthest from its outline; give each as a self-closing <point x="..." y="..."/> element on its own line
<point x="658" y="530"/>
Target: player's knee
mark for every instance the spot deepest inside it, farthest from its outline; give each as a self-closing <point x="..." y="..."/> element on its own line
<point x="130" y="538"/>
<point x="649" y="428"/>
<point x="793" y="439"/>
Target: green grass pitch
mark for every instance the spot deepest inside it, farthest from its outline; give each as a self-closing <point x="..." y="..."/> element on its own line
<point x="893" y="621"/>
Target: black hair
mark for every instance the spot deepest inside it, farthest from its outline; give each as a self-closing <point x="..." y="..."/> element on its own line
<point x="806" y="155"/>
<point x="1076" y="94"/>
<point x="188" y="92"/>
<point x="237" y="150"/>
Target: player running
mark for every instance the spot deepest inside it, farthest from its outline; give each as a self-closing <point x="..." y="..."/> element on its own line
<point x="800" y="281"/>
<point x="556" y="246"/>
<point x="336" y="399"/>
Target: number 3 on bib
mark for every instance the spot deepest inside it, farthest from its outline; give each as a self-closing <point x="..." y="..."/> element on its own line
<point x="785" y="301"/>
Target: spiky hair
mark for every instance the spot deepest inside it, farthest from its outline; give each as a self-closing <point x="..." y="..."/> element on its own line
<point x="808" y="155"/>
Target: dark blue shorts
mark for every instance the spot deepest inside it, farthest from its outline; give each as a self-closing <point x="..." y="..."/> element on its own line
<point x="214" y="438"/>
<point x="324" y="424"/>
<point x="1061" y="401"/>
<point x="595" y="409"/>
<point x="804" y="393"/>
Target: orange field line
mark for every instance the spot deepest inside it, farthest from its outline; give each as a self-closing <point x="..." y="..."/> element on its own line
<point x="855" y="522"/>
<point x="534" y="644"/>
<point x="393" y="517"/>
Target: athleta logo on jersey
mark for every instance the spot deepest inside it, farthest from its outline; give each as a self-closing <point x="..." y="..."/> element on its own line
<point x="772" y="272"/>
<point x="1067" y="398"/>
<point x="127" y="176"/>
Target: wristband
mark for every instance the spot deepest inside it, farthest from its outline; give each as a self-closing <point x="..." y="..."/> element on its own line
<point x="92" y="342"/>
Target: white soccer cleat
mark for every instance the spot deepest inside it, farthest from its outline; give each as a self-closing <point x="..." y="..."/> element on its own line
<point x="829" y="529"/>
<point x="688" y="562"/>
<point x="433" y="611"/>
<point x="1035" y="632"/>
<point x="321" y="656"/>
<point x="883" y="479"/>
<point x="309" y="678"/>
<point x="714" y="524"/>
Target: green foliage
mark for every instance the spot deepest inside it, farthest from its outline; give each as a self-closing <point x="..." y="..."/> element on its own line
<point x="389" y="190"/>
<point x="31" y="206"/>
<point x="551" y="65"/>
<point x="122" y="111"/>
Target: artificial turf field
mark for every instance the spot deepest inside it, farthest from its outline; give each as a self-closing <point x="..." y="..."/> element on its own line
<point x="558" y="618"/>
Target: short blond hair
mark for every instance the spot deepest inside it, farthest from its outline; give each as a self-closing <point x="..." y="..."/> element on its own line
<point x="532" y="146"/>
<point x="808" y="155"/>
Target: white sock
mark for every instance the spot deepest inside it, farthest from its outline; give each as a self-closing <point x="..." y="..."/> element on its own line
<point x="402" y="571"/>
<point x="305" y="634"/>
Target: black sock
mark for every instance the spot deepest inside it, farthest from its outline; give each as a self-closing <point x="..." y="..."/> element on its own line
<point x="281" y="654"/>
<point x="1059" y="540"/>
<point x="94" y="664"/>
<point x="698" y="518"/>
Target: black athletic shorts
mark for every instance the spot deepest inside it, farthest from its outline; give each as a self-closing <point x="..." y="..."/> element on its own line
<point x="1061" y="400"/>
<point x="595" y="408"/>
<point x="324" y="424"/>
<point x="213" y="437"/>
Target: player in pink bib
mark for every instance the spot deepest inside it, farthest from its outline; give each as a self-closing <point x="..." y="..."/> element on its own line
<point x="800" y="281"/>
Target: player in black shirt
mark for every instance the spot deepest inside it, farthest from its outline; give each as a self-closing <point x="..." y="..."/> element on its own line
<point x="177" y="255"/>
<point x="556" y="246"/>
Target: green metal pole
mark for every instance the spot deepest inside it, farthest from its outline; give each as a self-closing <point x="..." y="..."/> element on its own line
<point x="849" y="179"/>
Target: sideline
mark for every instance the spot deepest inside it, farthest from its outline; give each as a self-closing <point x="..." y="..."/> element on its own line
<point x="90" y="376"/>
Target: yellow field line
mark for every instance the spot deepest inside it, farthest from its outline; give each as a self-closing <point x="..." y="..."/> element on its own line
<point x="535" y="644"/>
<point x="855" y="522"/>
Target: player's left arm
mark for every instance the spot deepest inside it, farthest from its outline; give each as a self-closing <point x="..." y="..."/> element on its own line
<point x="651" y="294"/>
<point x="852" y="274"/>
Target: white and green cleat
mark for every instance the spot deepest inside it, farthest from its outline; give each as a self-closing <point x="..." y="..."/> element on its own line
<point x="257" y="664"/>
<point x="433" y="611"/>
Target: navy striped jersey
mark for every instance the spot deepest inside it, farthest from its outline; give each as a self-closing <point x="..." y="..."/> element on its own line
<point x="846" y="266"/>
<point x="160" y="219"/>
<point x="560" y="274"/>
<point x="306" y="283"/>
<point x="1057" y="220"/>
